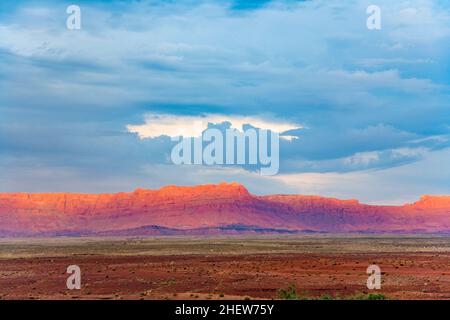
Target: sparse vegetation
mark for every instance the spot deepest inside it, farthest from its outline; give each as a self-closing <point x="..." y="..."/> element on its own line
<point x="290" y="293"/>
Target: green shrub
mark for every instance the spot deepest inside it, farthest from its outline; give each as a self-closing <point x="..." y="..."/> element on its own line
<point x="288" y="294"/>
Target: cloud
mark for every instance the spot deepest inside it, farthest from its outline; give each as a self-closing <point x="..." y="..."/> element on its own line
<point x="378" y="62"/>
<point x="397" y="185"/>
<point x="157" y="125"/>
<point x="357" y="99"/>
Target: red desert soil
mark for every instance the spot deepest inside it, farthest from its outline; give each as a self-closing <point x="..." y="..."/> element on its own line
<point x="151" y="270"/>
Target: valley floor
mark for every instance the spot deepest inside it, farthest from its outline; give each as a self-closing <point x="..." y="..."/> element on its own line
<point x="225" y="268"/>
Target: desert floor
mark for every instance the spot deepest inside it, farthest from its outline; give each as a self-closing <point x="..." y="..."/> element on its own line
<point x="225" y="268"/>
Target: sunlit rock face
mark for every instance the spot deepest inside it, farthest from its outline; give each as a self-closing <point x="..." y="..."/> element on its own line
<point x="210" y="209"/>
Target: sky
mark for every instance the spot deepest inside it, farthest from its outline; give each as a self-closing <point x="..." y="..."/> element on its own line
<point x="92" y="110"/>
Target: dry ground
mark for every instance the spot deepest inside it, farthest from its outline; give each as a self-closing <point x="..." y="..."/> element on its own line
<point x="224" y="268"/>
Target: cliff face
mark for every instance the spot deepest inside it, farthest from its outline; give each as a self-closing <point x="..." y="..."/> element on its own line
<point x="209" y="209"/>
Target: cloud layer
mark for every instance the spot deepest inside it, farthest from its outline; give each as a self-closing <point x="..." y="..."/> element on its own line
<point x="358" y="100"/>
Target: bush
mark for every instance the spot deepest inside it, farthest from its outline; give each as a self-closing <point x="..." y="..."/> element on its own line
<point x="288" y="294"/>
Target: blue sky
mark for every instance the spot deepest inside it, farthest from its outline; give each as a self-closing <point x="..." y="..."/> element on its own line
<point x="372" y="107"/>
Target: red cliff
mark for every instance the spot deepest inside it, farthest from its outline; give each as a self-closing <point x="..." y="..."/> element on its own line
<point x="206" y="209"/>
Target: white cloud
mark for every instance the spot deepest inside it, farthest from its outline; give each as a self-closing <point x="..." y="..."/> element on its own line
<point x="157" y="125"/>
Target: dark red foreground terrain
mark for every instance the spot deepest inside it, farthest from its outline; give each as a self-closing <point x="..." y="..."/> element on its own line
<point x="210" y="210"/>
<point x="225" y="268"/>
